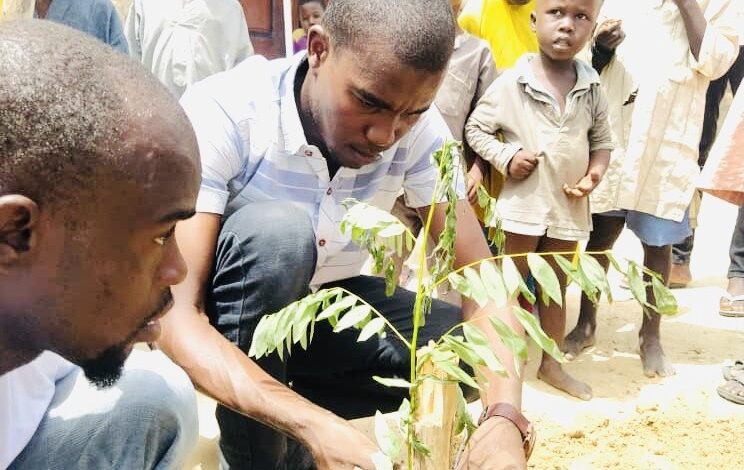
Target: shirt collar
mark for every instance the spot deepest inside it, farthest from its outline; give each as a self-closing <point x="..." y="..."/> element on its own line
<point x="586" y="76"/>
<point x="291" y="127"/>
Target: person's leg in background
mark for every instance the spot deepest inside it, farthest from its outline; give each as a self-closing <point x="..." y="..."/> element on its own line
<point x="148" y="420"/>
<point x="606" y="231"/>
<point x="732" y="304"/>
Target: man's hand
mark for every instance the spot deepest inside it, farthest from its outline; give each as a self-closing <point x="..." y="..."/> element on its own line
<point x="475" y="179"/>
<point x="495" y="445"/>
<point x="522" y="165"/>
<point x="584" y="187"/>
<point x="336" y="445"/>
<point x="610" y="34"/>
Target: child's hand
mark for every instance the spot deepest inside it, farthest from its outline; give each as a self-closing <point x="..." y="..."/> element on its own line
<point x="522" y="165"/>
<point x="610" y="34"/>
<point x="475" y="179"/>
<point x="584" y="187"/>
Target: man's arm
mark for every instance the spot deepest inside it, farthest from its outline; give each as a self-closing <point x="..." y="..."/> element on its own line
<point x="221" y="370"/>
<point x="695" y="24"/>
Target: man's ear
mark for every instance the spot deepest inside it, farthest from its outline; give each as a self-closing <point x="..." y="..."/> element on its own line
<point x="19" y="223"/>
<point x="318" y="45"/>
<point x="533" y="22"/>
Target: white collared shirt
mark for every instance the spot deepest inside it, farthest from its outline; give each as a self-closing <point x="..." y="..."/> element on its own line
<point x="253" y="148"/>
<point x="25" y="396"/>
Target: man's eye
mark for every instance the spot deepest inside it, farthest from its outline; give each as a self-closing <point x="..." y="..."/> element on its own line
<point x="365" y="103"/>
<point x="161" y="240"/>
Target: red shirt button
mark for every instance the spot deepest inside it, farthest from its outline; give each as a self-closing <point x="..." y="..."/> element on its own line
<point x="308" y="153"/>
<point x="329" y="192"/>
<point x="321" y="242"/>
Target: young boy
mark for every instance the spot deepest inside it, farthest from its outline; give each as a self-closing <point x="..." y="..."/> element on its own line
<point x="556" y="146"/>
<point x="311" y="12"/>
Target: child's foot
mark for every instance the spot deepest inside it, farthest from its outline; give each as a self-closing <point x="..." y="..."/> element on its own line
<point x="655" y="362"/>
<point x="554" y="375"/>
<point x="580" y="338"/>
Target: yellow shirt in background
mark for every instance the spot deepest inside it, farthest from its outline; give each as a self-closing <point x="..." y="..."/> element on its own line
<point x="505" y="27"/>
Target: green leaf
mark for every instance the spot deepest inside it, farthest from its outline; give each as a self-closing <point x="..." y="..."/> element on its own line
<point x="512" y="278"/>
<point x="546" y="278"/>
<point x="474" y="335"/>
<point x="477" y="289"/>
<point x="510" y="338"/>
<point x="260" y="342"/>
<point x="532" y="327"/>
<point x="636" y="284"/>
<point x="595" y="274"/>
<point x="374" y="327"/>
<point x="464" y="420"/>
<point x="613" y="261"/>
<point x="665" y="302"/>
<point x="464" y="351"/>
<point x="392" y="382"/>
<point x="354" y="316"/>
<point x="456" y="373"/>
<point x="460" y="284"/>
<point x="493" y="282"/>
<point x="388" y="440"/>
<point x="337" y="307"/>
<point x="575" y="275"/>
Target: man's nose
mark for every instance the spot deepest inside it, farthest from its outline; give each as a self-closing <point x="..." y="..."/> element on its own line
<point x="382" y="133"/>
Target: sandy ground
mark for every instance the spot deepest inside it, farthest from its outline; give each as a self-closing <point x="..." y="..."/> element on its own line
<point x="634" y="422"/>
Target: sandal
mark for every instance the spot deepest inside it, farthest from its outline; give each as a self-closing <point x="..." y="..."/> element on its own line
<point x="731" y="306"/>
<point x="729" y="372"/>
<point x="733" y="390"/>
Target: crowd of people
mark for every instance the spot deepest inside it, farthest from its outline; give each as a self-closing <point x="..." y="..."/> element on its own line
<point x="161" y="183"/>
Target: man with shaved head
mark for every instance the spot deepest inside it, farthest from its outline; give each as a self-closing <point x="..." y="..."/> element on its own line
<point x="283" y="144"/>
<point x="97" y="164"/>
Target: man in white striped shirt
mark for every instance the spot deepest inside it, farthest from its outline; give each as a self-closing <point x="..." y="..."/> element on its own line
<point x="283" y="143"/>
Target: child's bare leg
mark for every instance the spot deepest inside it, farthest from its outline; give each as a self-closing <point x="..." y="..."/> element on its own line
<point x="655" y="362"/>
<point x="603" y="237"/>
<point x="516" y="244"/>
<point x="553" y="322"/>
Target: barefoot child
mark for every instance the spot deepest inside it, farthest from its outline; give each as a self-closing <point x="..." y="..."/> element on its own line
<point x="556" y="146"/>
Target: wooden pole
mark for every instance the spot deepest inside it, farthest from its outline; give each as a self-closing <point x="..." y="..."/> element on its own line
<point x="436" y="417"/>
<point x="15" y="9"/>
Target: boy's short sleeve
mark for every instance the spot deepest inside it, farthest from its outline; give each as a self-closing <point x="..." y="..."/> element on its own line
<point x="600" y="134"/>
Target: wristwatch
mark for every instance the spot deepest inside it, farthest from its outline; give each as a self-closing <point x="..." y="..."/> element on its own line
<point x="509" y="412"/>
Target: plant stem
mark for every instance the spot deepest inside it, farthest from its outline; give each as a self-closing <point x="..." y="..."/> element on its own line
<point x="420" y="293"/>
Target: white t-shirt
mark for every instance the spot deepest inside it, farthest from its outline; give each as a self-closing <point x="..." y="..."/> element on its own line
<point x="25" y="396"/>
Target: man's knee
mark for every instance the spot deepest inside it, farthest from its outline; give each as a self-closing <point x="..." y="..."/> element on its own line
<point x="161" y="398"/>
<point x="275" y="234"/>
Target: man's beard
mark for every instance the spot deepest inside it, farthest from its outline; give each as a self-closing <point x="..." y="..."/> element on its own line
<point x="106" y="368"/>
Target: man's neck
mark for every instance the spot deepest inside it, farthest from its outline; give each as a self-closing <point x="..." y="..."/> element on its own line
<point x="302" y="90"/>
<point x="12" y="358"/>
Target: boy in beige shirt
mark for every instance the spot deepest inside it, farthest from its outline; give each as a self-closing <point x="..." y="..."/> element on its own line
<point x="552" y="115"/>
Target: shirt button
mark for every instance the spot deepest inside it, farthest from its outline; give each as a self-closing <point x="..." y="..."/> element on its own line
<point x="321" y="242"/>
<point x="308" y="153"/>
<point x="329" y="191"/>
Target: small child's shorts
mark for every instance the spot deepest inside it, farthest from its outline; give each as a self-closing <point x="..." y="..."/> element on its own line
<point x="539" y="230"/>
<point x="652" y="230"/>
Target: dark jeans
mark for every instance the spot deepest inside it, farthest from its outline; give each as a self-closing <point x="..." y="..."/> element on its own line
<point x="265" y="259"/>
<point x="736" y="250"/>
<point x="716" y="90"/>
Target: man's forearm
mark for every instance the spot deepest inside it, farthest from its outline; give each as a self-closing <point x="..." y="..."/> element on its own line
<point x="222" y="371"/>
<point x="599" y="160"/>
<point x="695" y="24"/>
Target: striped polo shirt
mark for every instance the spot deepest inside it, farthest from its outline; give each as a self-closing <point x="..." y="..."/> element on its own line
<point x="253" y="148"/>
